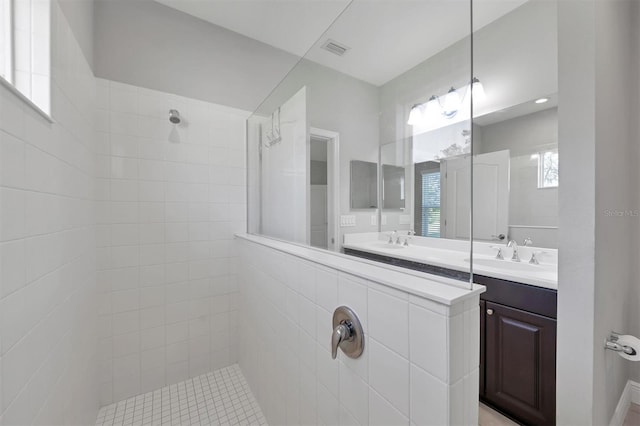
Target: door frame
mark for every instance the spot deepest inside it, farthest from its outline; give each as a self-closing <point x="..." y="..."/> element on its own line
<point x="333" y="184"/>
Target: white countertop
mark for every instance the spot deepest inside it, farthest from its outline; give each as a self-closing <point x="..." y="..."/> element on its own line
<point x="438" y="289"/>
<point x="451" y="255"/>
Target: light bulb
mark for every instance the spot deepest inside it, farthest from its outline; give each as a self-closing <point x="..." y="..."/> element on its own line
<point x="477" y="90"/>
<point x="451" y="103"/>
<point x="416" y="115"/>
<point x="431" y="109"/>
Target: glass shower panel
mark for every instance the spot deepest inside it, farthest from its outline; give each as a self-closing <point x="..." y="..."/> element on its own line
<point x="387" y="118"/>
<point x="281" y="170"/>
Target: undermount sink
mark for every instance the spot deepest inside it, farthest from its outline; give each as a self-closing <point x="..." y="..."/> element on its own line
<point x="506" y="264"/>
<point x="388" y="246"/>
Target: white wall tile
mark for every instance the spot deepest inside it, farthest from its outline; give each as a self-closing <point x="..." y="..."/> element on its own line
<point x="392" y="330"/>
<point x="48" y="247"/>
<point x="169" y="268"/>
<point x="382" y="413"/>
<point x="428" y="329"/>
<point x="429" y="398"/>
<point x="295" y="379"/>
<point x="354" y="394"/>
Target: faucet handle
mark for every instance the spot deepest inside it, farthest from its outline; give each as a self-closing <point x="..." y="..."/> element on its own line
<point x="527" y="242"/>
<point x="499" y="255"/>
<point x="534" y="257"/>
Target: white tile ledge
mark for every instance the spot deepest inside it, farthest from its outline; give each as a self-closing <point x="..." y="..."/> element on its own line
<point x="25" y="100"/>
<point x="438" y="289"/>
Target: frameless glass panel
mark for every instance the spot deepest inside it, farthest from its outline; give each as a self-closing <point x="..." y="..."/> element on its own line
<point x="515" y="134"/>
<point x="387" y="108"/>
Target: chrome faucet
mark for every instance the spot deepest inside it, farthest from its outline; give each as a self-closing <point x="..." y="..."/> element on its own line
<point x="514" y="245"/>
<point x="410" y="233"/>
<point x="392" y="236"/>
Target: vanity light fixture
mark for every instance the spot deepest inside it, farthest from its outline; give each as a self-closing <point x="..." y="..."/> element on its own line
<point x="542" y="100"/>
<point x="447" y="105"/>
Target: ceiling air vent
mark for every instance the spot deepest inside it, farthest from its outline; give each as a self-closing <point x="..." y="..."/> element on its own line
<point x="335" y="47"/>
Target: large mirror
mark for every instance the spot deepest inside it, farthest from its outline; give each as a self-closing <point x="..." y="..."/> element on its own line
<point x="409" y="132"/>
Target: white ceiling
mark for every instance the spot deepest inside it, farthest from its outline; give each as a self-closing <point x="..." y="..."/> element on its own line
<point x="385" y="37"/>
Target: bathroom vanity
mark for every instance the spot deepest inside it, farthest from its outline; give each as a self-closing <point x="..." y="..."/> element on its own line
<point x="517" y="316"/>
<point x="518" y="349"/>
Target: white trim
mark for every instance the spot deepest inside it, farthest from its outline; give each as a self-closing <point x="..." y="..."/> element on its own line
<point x="635" y="391"/>
<point x="333" y="183"/>
<point x="630" y="394"/>
<point x="442" y="290"/>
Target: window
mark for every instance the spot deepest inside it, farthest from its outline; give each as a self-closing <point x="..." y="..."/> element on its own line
<point x="431" y="204"/>
<point x="25" y="46"/>
<point x="548" y="169"/>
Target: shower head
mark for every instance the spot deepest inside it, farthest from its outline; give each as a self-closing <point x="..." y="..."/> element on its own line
<point x="174" y="116"/>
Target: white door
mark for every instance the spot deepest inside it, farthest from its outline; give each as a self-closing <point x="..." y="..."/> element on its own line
<point x="318" y="212"/>
<point x="490" y="196"/>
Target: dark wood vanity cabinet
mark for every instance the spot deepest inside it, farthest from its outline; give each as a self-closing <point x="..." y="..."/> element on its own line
<point x="518" y="351"/>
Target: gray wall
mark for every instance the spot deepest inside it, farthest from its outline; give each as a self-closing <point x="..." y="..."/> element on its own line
<point x="150" y="45"/>
<point x="599" y="158"/>
<point x="528" y="204"/>
<point x="521" y="134"/>
<point x="339" y="103"/>
<point x="79" y="14"/>
<point x="634" y="326"/>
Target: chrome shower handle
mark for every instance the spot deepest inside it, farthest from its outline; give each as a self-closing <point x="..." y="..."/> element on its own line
<point x="340" y="334"/>
<point x="348" y="334"/>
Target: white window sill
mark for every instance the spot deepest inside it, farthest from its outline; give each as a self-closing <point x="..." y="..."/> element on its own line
<point x="26" y="100"/>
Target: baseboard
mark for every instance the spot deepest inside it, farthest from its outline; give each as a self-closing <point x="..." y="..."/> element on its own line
<point x="631" y="393"/>
<point x="635" y="391"/>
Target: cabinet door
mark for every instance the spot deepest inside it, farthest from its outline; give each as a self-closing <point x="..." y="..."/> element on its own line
<point x="482" y="344"/>
<point x="520" y="363"/>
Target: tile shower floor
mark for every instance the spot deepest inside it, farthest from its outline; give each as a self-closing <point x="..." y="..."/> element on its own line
<point x="221" y="397"/>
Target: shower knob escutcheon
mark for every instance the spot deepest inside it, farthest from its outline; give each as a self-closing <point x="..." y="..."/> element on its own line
<point x="347" y="333"/>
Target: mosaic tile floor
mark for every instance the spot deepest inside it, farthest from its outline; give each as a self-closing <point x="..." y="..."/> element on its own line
<point x="221" y="397"/>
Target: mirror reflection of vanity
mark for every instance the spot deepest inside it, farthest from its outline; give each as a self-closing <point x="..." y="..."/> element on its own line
<point x="515" y="178"/>
<point x="439" y="161"/>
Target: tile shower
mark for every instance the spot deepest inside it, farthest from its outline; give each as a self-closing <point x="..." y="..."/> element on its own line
<point x="169" y="200"/>
<point x="118" y="252"/>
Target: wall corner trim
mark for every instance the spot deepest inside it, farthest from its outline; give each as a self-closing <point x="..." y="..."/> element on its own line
<point x="630" y="394"/>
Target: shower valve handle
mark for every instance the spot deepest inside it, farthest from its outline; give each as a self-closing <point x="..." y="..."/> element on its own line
<point x="348" y="334"/>
<point x="340" y="334"/>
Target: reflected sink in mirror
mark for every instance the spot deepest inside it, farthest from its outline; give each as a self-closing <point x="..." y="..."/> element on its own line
<point x="388" y="246"/>
<point x="510" y="265"/>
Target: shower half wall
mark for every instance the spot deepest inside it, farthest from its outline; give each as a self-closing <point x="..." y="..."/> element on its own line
<point x="421" y="350"/>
